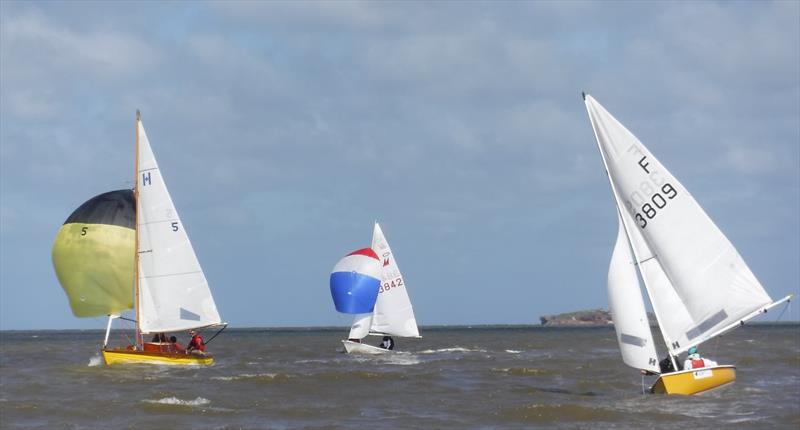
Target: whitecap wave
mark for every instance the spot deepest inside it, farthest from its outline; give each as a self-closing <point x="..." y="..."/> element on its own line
<point x="97" y="360"/>
<point x="513" y="351"/>
<point x="455" y="349"/>
<point x="199" y="401"/>
<point x="248" y="376"/>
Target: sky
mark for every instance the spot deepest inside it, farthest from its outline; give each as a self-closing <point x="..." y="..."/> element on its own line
<point x="285" y="129"/>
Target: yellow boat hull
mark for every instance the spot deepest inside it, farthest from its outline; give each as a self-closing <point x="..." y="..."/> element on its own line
<point x="124" y="356"/>
<point x="694" y="381"/>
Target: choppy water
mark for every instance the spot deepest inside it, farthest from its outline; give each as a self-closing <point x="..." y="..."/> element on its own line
<point x="454" y="378"/>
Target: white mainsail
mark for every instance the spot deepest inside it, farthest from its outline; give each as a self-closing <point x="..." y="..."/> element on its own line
<point x="173" y="291"/>
<point x="393" y="312"/>
<point x="627" y="308"/>
<point x="698" y="283"/>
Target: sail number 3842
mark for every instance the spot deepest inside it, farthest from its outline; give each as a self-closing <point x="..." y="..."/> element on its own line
<point x="650" y="209"/>
<point x="391" y="284"/>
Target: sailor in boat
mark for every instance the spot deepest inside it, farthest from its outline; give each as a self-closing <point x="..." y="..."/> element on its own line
<point x="176" y="347"/>
<point x="196" y="345"/>
<point x="388" y="343"/>
<point x="694" y="361"/>
<point x="666" y="365"/>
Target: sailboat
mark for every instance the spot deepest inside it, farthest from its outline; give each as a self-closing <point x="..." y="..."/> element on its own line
<point x="129" y="250"/>
<point x="697" y="283"/>
<point x="392" y="314"/>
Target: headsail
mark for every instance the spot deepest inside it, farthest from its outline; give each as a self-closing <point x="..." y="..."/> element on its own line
<point x="355" y="281"/>
<point x="93" y="255"/>
<point x="360" y="327"/>
<point x="627" y="308"/>
<point x="174" y="293"/>
<point x="393" y="311"/>
<point x="711" y="286"/>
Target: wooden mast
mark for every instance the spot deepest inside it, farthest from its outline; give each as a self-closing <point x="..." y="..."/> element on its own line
<point x="139" y="339"/>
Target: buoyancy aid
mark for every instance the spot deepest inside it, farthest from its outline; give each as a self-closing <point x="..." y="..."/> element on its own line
<point x="698" y="363"/>
<point x="197" y="343"/>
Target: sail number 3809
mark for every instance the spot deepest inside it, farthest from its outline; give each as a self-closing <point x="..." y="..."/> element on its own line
<point x="657" y="202"/>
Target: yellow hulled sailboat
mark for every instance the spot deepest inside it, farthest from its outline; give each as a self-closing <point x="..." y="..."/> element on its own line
<point x="697" y="283"/>
<point x="128" y="249"/>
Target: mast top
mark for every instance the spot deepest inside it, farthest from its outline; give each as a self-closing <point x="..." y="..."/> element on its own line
<point x="138" y="115"/>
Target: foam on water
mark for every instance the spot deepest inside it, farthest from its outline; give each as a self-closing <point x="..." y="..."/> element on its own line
<point x="454" y="349"/>
<point x="246" y="376"/>
<point x="97" y="360"/>
<point x="199" y="401"/>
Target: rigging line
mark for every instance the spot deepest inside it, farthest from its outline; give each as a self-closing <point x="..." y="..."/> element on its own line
<point x="788" y="302"/>
<point x="643" y="383"/>
<point x="646" y="260"/>
<point x="780" y="315"/>
<point x="216" y="334"/>
<point x="171" y="274"/>
<point x="160" y="221"/>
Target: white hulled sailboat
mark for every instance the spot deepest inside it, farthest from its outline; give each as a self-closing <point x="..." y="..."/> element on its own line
<point x="393" y="314"/>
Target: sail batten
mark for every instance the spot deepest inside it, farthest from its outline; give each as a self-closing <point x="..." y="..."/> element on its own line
<point x="696" y="280"/>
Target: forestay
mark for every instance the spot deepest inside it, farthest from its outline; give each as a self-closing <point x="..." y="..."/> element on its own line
<point x="697" y="281"/>
<point x="393" y="312"/>
<point x="174" y="293"/>
<point x="627" y="308"/>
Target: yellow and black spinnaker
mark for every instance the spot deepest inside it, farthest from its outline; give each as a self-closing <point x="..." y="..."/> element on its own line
<point x="93" y="255"/>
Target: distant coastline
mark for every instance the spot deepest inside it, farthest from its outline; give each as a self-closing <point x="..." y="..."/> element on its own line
<point x="423" y="328"/>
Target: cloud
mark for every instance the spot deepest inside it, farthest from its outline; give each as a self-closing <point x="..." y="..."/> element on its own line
<point x="39" y="47"/>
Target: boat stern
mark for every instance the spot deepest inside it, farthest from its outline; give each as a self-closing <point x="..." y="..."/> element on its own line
<point x="351" y="347"/>
<point x="694" y="381"/>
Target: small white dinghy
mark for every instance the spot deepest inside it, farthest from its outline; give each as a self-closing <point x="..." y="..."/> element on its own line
<point x="392" y="313"/>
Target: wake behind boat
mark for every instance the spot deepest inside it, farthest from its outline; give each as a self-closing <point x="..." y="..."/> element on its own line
<point x="698" y="284"/>
<point x="129" y="250"/>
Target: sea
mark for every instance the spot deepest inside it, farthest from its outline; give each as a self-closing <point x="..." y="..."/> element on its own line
<point x="487" y="377"/>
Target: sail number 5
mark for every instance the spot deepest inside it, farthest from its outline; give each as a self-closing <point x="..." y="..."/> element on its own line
<point x="656" y="203"/>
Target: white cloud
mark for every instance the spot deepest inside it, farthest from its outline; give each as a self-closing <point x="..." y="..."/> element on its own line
<point x="35" y="45"/>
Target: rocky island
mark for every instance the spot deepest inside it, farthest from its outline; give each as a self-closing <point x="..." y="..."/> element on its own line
<point x="588" y="318"/>
<point x="595" y="317"/>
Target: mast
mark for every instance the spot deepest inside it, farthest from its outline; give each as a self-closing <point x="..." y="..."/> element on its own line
<point x="136" y="227"/>
<point x="628" y="233"/>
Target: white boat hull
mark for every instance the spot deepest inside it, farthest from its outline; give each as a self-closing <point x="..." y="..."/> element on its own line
<point x="362" y="348"/>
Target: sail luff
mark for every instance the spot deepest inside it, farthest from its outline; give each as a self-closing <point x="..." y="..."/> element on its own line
<point x="136" y="228"/>
<point x="620" y="212"/>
